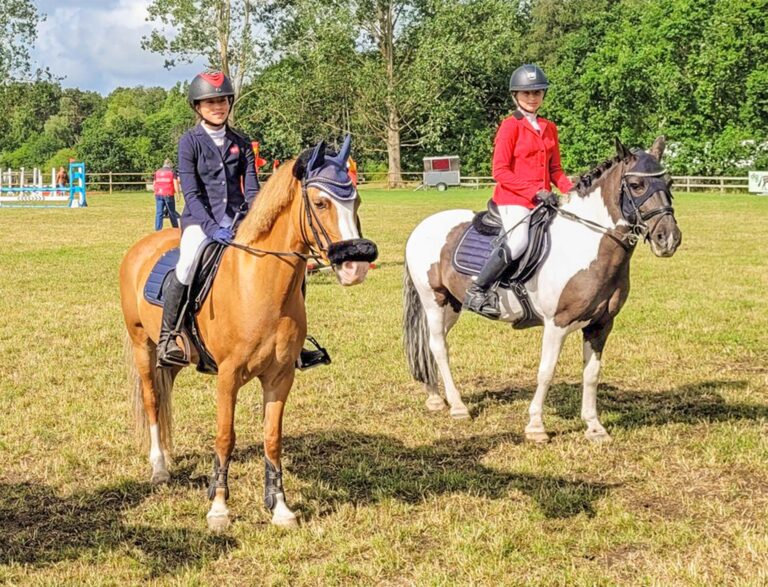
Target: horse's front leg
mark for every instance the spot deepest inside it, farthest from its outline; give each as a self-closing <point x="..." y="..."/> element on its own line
<point x="552" y="343"/>
<point x="218" y="490"/>
<point x="276" y="391"/>
<point x="594" y="342"/>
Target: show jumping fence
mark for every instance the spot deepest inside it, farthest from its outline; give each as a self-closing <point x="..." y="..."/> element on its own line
<point x="116" y="181"/>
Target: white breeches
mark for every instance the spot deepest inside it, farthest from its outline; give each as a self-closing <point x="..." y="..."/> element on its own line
<point x="517" y="239"/>
<point x="192" y="240"/>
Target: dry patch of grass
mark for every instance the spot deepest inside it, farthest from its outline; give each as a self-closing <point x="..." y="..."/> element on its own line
<point x="387" y="492"/>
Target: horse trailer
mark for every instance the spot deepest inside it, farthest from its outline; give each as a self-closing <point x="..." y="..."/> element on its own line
<point x="441" y="172"/>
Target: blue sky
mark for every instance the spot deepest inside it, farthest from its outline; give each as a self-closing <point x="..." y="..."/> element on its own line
<point x="96" y="45"/>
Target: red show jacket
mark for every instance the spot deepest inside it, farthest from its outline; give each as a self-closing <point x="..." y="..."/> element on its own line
<point x="525" y="162"/>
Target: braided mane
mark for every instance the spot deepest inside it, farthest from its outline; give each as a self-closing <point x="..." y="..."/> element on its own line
<point x="586" y="181"/>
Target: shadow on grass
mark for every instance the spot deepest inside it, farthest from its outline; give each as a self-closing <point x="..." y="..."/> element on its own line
<point x="39" y="527"/>
<point x="688" y="404"/>
<point x="348" y="467"/>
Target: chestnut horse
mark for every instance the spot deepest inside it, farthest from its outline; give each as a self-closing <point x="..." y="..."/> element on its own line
<point x="253" y="321"/>
<point x="581" y="285"/>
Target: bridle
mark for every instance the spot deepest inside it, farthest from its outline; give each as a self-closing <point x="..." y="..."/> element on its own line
<point x="630" y="205"/>
<point x="336" y="252"/>
<point x="630" y="209"/>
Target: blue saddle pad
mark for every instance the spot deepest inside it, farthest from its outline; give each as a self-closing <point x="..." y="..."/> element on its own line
<point x="153" y="289"/>
<point x="473" y="251"/>
<point x="475" y="247"/>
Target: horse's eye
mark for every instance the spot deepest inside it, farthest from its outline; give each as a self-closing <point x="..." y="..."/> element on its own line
<point x="635" y="185"/>
<point x="320" y="204"/>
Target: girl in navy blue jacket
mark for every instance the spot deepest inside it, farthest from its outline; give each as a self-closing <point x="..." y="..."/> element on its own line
<point x="218" y="179"/>
<point x="214" y="162"/>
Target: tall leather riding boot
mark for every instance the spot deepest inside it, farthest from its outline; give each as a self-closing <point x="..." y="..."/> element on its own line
<point x="480" y="298"/>
<point x="169" y="353"/>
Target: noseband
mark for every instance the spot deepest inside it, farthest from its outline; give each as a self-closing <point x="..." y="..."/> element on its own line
<point x="630" y="205"/>
<point x="356" y="249"/>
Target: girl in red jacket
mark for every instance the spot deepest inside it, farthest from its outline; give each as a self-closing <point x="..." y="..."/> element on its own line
<point x="526" y="162"/>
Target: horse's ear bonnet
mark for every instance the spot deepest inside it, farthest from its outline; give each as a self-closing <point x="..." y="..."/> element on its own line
<point x="329" y="173"/>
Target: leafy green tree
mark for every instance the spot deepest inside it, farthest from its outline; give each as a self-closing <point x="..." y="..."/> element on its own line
<point x="18" y="27"/>
<point x="219" y="31"/>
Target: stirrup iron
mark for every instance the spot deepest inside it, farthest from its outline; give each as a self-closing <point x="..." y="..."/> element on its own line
<point x="312" y="358"/>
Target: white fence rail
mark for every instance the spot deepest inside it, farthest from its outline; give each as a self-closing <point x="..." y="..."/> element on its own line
<point x="111" y="181"/>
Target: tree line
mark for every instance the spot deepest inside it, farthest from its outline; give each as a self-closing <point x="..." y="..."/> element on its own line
<point x="411" y="78"/>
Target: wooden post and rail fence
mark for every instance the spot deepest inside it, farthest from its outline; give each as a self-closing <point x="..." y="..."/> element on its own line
<point x="110" y="181"/>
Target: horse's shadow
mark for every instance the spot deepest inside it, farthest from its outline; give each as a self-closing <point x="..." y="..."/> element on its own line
<point x="688" y="404"/>
<point x="350" y="467"/>
<point x="39" y="527"/>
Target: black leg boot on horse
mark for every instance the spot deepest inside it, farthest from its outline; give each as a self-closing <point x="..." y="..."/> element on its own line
<point x="481" y="297"/>
<point x="169" y="353"/>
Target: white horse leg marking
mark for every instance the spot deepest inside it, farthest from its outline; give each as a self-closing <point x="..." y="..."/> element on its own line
<point x="551" y="345"/>
<point x="160" y="472"/>
<point x="439" y="325"/>
<point x="592" y="365"/>
<point x="218" y="515"/>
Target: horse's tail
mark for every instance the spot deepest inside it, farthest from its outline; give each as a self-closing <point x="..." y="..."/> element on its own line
<point x="163" y="384"/>
<point x="421" y="362"/>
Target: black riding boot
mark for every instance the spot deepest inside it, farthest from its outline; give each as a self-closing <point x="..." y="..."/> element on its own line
<point x="479" y="297"/>
<point x="169" y="353"/>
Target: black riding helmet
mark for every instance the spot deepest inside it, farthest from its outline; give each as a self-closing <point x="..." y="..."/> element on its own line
<point x="528" y="77"/>
<point x="211" y="84"/>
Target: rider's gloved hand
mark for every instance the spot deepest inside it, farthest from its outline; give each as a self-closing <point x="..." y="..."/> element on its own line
<point x="223" y="235"/>
<point x="547" y="198"/>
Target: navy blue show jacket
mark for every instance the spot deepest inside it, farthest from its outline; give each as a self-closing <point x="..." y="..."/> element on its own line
<point x="211" y="177"/>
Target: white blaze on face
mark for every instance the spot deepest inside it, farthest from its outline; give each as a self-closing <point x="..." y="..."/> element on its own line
<point x="349" y="272"/>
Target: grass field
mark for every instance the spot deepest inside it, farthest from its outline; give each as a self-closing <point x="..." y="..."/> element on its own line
<point x="388" y="493"/>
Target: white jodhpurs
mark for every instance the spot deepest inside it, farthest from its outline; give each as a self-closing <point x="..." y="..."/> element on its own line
<point x="517" y="238"/>
<point x="192" y="240"/>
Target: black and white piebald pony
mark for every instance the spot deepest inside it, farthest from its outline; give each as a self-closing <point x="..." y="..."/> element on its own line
<point x="581" y="285"/>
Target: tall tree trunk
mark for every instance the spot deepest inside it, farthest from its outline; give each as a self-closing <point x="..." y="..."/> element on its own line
<point x="387" y="45"/>
<point x="395" y="177"/>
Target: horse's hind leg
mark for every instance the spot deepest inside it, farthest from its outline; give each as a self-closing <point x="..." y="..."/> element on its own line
<point x="594" y="342"/>
<point x="155" y="388"/>
<point x="552" y="343"/>
<point x="440" y="320"/>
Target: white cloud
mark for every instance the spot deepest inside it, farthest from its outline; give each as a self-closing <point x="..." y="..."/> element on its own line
<point x="97" y="45"/>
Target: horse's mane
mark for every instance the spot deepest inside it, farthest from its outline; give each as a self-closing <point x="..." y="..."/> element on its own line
<point x="276" y="194"/>
<point x="586" y="181"/>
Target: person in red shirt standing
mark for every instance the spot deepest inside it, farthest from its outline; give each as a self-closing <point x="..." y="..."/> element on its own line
<point x="526" y="162"/>
<point x="166" y="186"/>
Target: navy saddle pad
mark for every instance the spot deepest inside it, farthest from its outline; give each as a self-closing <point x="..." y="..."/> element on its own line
<point x="153" y="289"/>
<point x="476" y="244"/>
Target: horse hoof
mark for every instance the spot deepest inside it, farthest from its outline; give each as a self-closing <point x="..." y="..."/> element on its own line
<point x="160" y="478"/>
<point x="540" y="437"/>
<point x="218" y="523"/>
<point x="598" y="436"/>
<point x="285" y="520"/>
<point x="461" y="413"/>
<point x="435" y="403"/>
